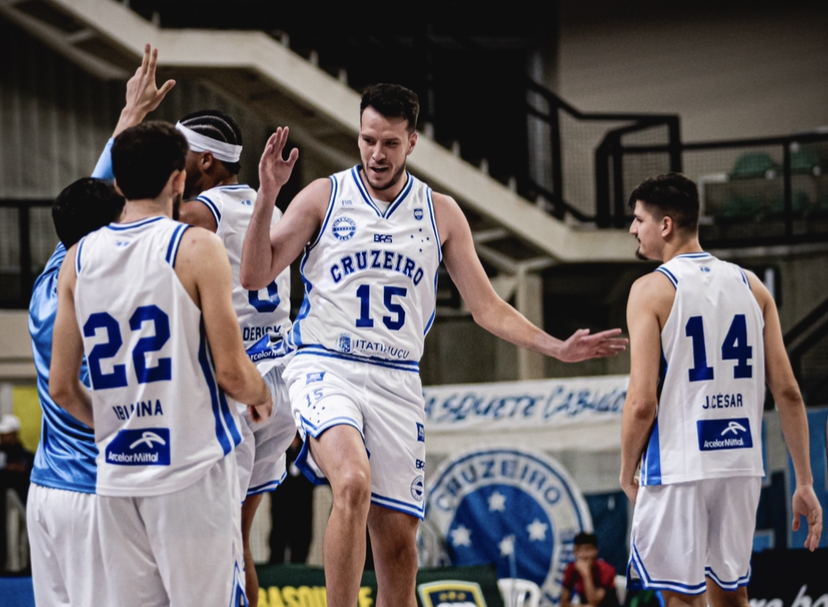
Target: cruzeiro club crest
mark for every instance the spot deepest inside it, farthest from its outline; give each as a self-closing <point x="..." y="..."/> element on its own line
<point x="516" y="508"/>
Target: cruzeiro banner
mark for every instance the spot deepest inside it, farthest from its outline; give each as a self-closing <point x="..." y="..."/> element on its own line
<point x="525" y="404"/>
<point x="513" y="507"/>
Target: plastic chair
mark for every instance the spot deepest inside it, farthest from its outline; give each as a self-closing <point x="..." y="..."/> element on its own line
<point x="518" y="592"/>
<point x="755" y="165"/>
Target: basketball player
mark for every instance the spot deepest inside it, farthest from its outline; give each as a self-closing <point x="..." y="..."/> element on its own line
<point x="705" y="338"/>
<point x="148" y="301"/>
<point x="375" y="237"/>
<point x="224" y="206"/>
<point x="59" y="510"/>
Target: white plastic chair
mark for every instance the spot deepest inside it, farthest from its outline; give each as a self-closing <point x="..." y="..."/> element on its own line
<point x="518" y="592"/>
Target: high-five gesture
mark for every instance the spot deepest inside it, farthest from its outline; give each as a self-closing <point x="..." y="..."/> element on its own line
<point x="274" y="171"/>
<point x="142" y="94"/>
<point x="583" y="346"/>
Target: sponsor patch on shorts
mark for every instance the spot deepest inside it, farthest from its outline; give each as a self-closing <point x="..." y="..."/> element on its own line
<point x="142" y="447"/>
<point x="314" y="377"/>
<point x="417" y="488"/>
<point x="420" y="433"/>
<point x="717" y="434"/>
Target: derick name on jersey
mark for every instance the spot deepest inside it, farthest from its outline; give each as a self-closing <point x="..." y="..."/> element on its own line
<point x="371" y="275"/>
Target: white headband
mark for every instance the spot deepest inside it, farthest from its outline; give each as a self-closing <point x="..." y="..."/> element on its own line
<point x="226" y="152"/>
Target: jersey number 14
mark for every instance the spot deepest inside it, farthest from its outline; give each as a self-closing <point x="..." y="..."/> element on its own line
<point x="735" y="347"/>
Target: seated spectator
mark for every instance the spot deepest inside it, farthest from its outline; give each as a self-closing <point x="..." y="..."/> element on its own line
<point x="591" y="578"/>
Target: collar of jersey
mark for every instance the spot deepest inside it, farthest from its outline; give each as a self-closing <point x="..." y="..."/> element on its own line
<point x="694" y="255"/>
<point x="367" y="197"/>
<point x="135" y="224"/>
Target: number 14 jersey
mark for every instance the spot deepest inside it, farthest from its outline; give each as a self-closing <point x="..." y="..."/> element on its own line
<point x="371" y="275"/>
<point x="712" y="384"/>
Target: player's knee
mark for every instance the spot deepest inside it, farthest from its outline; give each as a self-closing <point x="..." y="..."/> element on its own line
<point x="353" y="490"/>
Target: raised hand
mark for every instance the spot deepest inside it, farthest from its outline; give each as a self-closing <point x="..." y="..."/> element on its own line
<point x="142" y="94"/>
<point x="274" y="171"/>
<point x="583" y="346"/>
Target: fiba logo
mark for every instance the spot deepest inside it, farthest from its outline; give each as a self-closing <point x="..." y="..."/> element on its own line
<point x="513" y="507"/>
<point x="344" y="228"/>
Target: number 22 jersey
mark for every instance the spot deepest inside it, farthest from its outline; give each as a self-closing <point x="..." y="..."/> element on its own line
<point x="712" y="384"/>
<point x="161" y="420"/>
<point x="371" y="276"/>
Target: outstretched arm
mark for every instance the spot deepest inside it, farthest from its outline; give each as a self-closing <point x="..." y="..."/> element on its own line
<point x="67" y="349"/>
<point x="649" y="303"/>
<point x="495" y="315"/>
<point x="204" y="270"/>
<point x="142" y="97"/>
<point x="267" y="251"/>
<point x="792" y="416"/>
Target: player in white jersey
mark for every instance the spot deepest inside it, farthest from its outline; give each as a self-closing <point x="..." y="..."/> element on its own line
<point x="704" y="339"/>
<point x="222" y="205"/>
<point x="375" y="236"/>
<point x="148" y="302"/>
<point x="63" y="539"/>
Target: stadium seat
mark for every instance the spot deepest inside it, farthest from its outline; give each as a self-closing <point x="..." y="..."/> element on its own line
<point x="755" y="165"/>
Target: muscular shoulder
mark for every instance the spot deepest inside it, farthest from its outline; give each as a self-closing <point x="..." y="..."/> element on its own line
<point x="449" y="216"/>
<point x="760" y="291"/>
<point x="652" y="294"/>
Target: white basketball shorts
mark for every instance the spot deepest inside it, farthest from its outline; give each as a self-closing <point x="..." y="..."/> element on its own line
<point x="385" y="405"/>
<point x="63" y="541"/>
<point x="685" y="532"/>
<point x="182" y="548"/>
<point x="261" y="455"/>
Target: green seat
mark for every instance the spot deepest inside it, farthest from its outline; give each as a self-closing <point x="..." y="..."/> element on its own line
<point x="741" y="207"/>
<point x="805" y="161"/>
<point x="799" y="205"/>
<point x="755" y="165"/>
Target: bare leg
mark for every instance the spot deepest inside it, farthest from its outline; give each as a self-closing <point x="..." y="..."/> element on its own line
<point x="251" y="578"/>
<point x="394" y="541"/>
<point x="340" y="453"/>
<point x="717" y="597"/>
<point x="674" y="599"/>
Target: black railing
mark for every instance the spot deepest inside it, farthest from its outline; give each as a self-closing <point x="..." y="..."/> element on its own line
<point x="17" y="279"/>
<point x="802" y="340"/>
<point x="759" y="191"/>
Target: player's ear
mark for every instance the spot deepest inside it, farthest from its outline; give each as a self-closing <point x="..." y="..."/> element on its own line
<point x="206" y="161"/>
<point x="412" y="141"/>
<point x="177" y="180"/>
<point x="668" y="226"/>
<point x="117" y="189"/>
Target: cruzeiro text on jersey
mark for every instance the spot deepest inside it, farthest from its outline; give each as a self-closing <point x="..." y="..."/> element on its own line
<point x="377" y="259"/>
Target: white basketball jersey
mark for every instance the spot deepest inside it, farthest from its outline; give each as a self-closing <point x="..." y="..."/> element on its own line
<point x="712" y="391"/>
<point x="263" y="312"/>
<point x="161" y="420"/>
<point x="371" y="276"/>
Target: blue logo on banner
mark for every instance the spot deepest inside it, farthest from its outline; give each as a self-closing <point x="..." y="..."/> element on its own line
<point x="142" y="447"/>
<point x="717" y="434"/>
<point x="512" y="507"/>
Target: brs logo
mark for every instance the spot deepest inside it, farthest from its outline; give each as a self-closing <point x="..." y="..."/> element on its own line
<point x="716" y="434"/>
<point x="142" y="447"/>
<point x="382" y="238"/>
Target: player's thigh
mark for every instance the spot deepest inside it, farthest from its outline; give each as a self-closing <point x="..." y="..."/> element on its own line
<point x="395" y="438"/>
<point x="732" y="504"/>
<point x="668" y="540"/>
<point x="64" y="547"/>
<point x="195" y="534"/>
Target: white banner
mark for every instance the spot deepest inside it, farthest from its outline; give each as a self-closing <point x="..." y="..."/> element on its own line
<point x="524" y="405"/>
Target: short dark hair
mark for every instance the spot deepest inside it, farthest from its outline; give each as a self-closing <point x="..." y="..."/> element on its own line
<point x="217" y="125"/>
<point x="585" y="538"/>
<point x="674" y="195"/>
<point x="392" y="101"/>
<point x="144" y="157"/>
<point x="83" y="207"/>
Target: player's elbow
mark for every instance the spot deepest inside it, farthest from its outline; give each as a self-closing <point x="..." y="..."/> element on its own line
<point x="640" y="407"/>
<point x="59" y="390"/>
<point x="230" y="378"/>
<point x="787" y="395"/>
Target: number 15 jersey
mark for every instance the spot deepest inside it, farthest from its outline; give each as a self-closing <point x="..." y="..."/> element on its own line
<point x="161" y="420"/>
<point x="712" y="388"/>
<point x="371" y="275"/>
